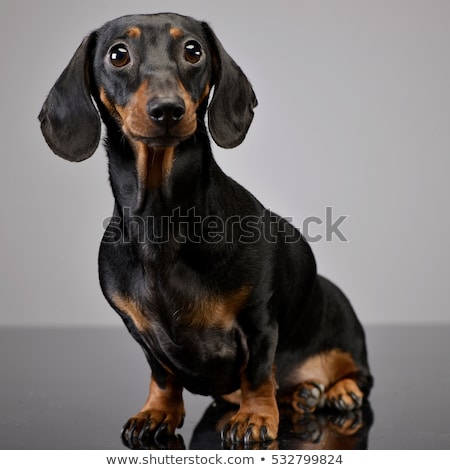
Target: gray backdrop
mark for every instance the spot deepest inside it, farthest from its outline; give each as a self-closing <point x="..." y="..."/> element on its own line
<point x="354" y="115"/>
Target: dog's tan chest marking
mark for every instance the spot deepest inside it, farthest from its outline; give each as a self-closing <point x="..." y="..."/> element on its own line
<point x="218" y="312"/>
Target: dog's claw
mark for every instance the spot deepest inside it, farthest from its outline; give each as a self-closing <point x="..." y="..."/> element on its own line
<point x="356" y="399"/>
<point x="161" y="431"/>
<point x="129" y="428"/>
<point x="234" y="431"/>
<point x="308" y="397"/>
<point x="304" y="393"/>
<point x="225" y="431"/>
<point x="248" y="435"/>
<point x="145" y="429"/>
<point x="247" y="431"/>
<point x="264" y="434"/>
<point x="303" y="408"/>
<point x="340" y="403"/>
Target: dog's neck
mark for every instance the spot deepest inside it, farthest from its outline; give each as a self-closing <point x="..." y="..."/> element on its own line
<point x="148" y="181"/>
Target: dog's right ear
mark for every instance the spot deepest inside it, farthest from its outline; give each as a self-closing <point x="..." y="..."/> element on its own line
<point x="70" y="122"/>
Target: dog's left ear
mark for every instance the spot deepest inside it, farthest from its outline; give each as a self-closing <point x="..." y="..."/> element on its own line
<point x="69" y="120"/>
<point x="230" y="111"/>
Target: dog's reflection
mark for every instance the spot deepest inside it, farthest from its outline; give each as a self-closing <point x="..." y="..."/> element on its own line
<point x="326" y="430"/>
<point x="296" y="431"/>
<point x="318" y="431"/>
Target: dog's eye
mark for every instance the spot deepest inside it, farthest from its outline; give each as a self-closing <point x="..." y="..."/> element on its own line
<point x="192" y="52"/>
<point x="119" y="55"/>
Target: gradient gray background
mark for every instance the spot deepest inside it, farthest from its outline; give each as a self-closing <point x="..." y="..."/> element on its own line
<point x="354" y="113"/>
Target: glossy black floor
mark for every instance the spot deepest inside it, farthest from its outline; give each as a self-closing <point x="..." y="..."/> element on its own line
<point x="74" y="389"/>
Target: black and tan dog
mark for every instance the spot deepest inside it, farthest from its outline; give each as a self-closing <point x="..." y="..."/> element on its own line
<point x="221" y="294"/>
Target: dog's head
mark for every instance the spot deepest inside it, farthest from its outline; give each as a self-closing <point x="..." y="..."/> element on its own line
<point x="151" y="74"/>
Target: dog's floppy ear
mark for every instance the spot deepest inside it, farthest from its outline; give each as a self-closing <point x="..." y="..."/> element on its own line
<point x="69" y="120"/>
<point x="230" y="111"/>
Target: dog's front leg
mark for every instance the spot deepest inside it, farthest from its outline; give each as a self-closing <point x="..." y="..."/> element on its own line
<point x="257" y="419"/>
<point x="162" y="412"/>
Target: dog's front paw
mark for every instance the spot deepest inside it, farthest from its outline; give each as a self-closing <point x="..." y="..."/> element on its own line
<point x="155" y="424"/>
<point x="248" y="428"/>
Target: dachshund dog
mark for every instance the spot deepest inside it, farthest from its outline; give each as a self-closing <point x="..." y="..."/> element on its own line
<point x="221" y="294"/>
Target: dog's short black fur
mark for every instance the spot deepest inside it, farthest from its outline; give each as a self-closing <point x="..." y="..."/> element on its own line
<point x="221" y="294"/>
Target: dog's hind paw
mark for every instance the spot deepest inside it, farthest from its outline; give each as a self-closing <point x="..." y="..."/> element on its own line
<point x="308" y="397"/>
<point x="345" y="395"/>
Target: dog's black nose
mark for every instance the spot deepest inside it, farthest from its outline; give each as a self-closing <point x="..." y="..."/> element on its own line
<point x="166" y="111"/>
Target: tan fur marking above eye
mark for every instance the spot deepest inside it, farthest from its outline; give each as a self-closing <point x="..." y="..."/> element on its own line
<point x="324" y="368"/>
<point x="134" y="32"/>
<point x="218" y="312"/>
<point x="133" y="310"/>
<point x="176" y="33"/>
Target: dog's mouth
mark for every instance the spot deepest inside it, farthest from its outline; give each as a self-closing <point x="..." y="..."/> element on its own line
<point x="162" y="141"/>
<point x="160" y="136"/>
